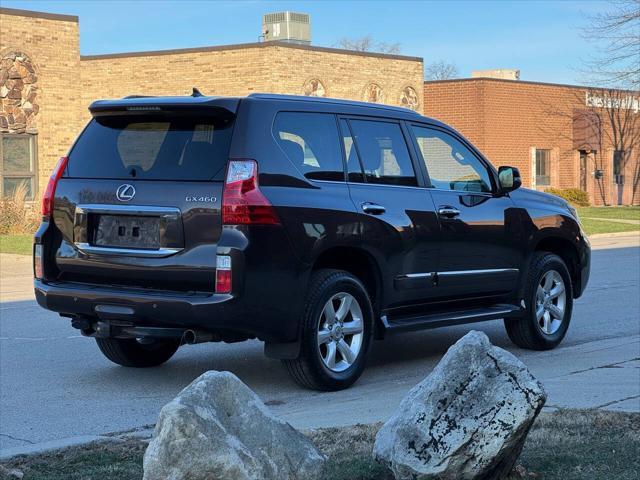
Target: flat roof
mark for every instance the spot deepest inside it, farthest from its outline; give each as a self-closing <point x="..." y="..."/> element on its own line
<point x="32" y="13"/>
<point x="240" y="46"/>
<point x="524" y="82"/>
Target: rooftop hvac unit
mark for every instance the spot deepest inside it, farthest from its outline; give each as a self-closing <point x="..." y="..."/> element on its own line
<point x="287" y="27"/>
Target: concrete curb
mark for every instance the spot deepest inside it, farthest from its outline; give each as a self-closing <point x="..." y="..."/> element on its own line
<point x="36" y="448"/>
<point x="141" y="433"/>
<point x="631" y="234"/>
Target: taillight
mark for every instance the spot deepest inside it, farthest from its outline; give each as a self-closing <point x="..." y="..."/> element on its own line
<point x="242" y="201"/>
<point x="49" y="193"/>
<point x="38" y="264"/>
<point x="223" y="274"/>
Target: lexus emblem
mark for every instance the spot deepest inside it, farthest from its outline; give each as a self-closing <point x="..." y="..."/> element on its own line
<point x="125" y="192"/>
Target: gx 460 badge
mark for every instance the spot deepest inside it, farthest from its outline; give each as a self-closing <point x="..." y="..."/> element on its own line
<point x="201" y="199"/>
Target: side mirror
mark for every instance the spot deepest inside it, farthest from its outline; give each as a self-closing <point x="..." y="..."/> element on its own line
<point x="509" y="179"/>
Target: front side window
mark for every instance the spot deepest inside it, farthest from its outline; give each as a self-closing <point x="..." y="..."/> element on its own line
<point x="450" y="164"/>
<point x="310" y="141"/>
<point x="18" y="167"/>
<point x="383" y="152"/>
<point x="543" y="167"/>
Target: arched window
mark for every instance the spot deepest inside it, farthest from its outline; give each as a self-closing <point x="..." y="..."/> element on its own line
<point x="409" y="98"/>
<point x="314" y="88"/>
<point x="373" y="93"/>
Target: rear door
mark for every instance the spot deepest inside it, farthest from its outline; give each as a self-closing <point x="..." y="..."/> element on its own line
<point x="396" y="214"/>
<point x="482" y="243"/>
<point x="139" y="202"/>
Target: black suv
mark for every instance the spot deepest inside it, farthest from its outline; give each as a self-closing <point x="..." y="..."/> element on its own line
<point x="311" y="224"/>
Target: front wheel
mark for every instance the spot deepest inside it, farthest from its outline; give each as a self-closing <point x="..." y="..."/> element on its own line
<point x="549" y="302"/>
<point x="131" y="352"/>
<point x="336" y="332"/>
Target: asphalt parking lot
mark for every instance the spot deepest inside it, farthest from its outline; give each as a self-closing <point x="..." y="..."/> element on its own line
<point x="55" y="384"/>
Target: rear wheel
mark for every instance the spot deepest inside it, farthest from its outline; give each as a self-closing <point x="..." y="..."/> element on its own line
<point x="336" y="332"/>
<point x="549" y="303"/>
<point x="131" y="352"/>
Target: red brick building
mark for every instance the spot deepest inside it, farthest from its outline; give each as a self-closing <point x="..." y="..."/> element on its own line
<point x="559" y="136"/>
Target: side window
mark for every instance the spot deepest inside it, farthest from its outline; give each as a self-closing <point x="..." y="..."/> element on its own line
<point x="450" y="164"/>
<point x="384" y="153"/>
<point x="18" y="166"/>
<point x="354" y="167"/>
<point x="543" y="169"/>
<point x="310" y="141"/>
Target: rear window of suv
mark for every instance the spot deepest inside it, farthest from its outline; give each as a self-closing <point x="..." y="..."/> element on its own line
<point x="152" y="148"/>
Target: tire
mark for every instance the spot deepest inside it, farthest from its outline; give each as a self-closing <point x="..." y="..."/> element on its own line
<point x="545" y="332"/>
<point x="314" y="368"/>
<point x="128" y="352"/>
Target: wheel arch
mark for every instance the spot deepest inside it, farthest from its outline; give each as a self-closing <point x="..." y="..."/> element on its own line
<point x="361" y="264"/>
<point x="567" y="251"/>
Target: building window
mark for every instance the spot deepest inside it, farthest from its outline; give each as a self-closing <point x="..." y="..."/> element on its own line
<point x="18" y="167"/>
<point x="543" y="167"/>
<point x="618" y="163"/>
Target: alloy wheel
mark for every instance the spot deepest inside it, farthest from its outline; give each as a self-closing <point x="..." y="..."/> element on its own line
<point x="340" y="332"/>
<point x="551" y="300"/>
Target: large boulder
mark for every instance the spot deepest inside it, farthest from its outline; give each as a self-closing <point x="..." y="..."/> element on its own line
<point x="467" y="420"/>
<point x="217" y="428"/>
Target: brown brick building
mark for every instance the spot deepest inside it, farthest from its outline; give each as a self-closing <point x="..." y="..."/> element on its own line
<point x="46" y="86"/>
<point x="549" y="131"/>
<point x="559" y="136"/>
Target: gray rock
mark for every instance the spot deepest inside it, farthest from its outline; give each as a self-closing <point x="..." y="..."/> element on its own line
<point x="217" y="428"/>
<point x="467" y="420"/>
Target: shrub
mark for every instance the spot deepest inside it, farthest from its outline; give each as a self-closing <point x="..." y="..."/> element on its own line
<point x="17" y="215"/>
<point x="575" y="196"/>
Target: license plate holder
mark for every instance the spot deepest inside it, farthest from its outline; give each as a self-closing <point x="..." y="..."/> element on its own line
<point x="127" y="231"/>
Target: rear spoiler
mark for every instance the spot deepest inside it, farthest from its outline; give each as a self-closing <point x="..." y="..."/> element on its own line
<point x="227" y="106"/>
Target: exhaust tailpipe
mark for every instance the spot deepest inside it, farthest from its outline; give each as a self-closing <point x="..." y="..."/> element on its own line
<point x="191" y="337"/>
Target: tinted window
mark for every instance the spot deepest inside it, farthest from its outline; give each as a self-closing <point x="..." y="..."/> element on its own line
<point x="152" y="148"/>
<point x="310" y="141"/>
<point x="450" y="164"/>
<point x="383" y="152"/>
<point x="354" y="168"/>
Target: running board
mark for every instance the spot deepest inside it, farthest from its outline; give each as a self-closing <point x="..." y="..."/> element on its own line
<point x="444" y="319"/>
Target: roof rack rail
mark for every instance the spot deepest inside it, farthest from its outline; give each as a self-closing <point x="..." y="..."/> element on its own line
<point x="137" y="96"/>
<point x="338" y="101"/>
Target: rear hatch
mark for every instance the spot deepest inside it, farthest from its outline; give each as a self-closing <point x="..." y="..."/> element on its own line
<point x="139" y="202"/>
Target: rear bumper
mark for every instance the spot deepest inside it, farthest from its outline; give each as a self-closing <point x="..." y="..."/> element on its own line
<point x="162" y="308"/>
<point x="220" y="313"/>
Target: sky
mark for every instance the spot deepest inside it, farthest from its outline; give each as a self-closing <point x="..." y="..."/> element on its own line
<point x="544" y="39"/>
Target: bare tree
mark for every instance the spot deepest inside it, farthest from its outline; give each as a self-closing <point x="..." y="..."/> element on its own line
<point x="441" y="70"/>
<point x="367" y="44"/>
<point x="616" y="38"/>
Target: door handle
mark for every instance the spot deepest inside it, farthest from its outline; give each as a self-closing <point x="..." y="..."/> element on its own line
<point x="373" y="208"/>
<point x="448" y="211"/>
